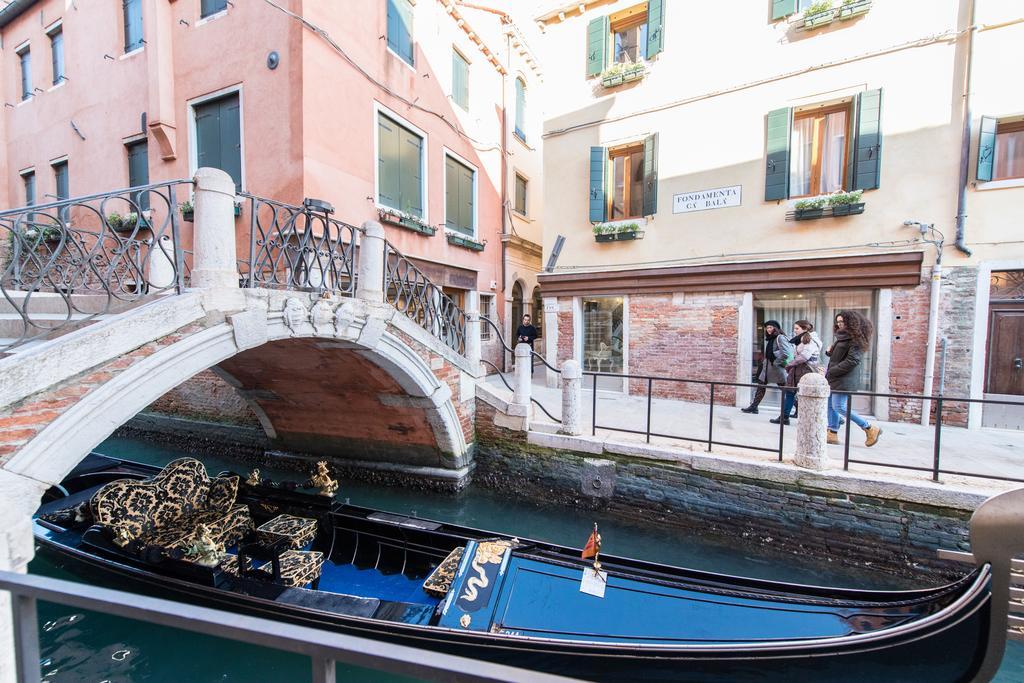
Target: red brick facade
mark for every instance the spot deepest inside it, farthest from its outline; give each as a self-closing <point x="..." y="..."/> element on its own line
<point x="566" y="330"/>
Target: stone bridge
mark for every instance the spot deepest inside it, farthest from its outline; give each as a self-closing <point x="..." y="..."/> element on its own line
<point x="335" y="371"/>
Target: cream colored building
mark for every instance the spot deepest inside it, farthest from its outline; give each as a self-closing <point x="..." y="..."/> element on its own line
<point x="688" y="132"/>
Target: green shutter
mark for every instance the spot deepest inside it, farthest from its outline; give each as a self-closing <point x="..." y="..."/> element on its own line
<point x="868" y="152"/>
<point x="987" y="148"/>
<point x="466" y="200"/>
<point x="460" y="80"/>
<point x="387" y="162"/>
<point x="451" y="194"/>
<point x="655" y="26"/>
<point x="410" y="180"/>
<point x="782" y="8"/>
<point x="597" y="45"/>
<point x="651" y="175"/>
<point x="138" y="171"/>
<point x="776" y="175"/>
<point x="231" y="139"/>
<point x="458" y="187"/>
<point x="598" y="158"/>
<point x="851" y="147"/>
<point x="399" y="29"/>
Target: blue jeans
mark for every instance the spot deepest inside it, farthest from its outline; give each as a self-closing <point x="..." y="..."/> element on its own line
<point x="837" y="409"/>
<point x="788" y="400"/>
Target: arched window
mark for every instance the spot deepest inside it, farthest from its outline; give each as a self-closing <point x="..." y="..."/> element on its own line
<point x="538" y="311"/>
<point x="520" y="108"/>
<point x="517" y="305"/>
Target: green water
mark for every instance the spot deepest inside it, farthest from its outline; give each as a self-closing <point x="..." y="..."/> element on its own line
<point x="86" y="646"/>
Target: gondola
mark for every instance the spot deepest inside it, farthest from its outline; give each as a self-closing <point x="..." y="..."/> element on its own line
<point x="297" y="555"/>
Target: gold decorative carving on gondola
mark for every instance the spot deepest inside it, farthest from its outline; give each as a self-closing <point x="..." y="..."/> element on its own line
<point x="323" y="481"/>
<point x="440" y="580"/>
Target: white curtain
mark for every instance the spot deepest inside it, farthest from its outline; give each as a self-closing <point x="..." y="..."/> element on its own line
<point x="833" y="153"/>
<point x="1009" y="155"/>
<point x="801" y="149"/>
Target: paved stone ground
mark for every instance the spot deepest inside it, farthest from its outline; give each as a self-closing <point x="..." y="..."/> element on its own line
<point x="985" y="452"/>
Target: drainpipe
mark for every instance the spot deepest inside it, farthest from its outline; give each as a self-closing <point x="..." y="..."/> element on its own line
<point x="965" y="142"/>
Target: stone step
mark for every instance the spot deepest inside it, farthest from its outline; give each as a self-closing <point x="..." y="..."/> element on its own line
<point x="12" y="325"/>
<point x="51" y="302"/>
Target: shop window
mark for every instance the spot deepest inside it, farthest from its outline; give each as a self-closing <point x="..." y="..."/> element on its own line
<point x="400" y="167"/>
<point x="460" y="80"/>
<point x="487" y="311"/>
<point x="603" y="338"/>
<point x="459" y="190"/>
<point x="1001" y="149"/>
<point x="400" y="29"/>
<point x="625" y="37"/>
<point x="817" y="150"/>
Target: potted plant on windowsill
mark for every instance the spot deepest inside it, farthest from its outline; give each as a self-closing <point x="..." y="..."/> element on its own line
<point x="819" y="14"/>
<point x="187" y="211"/>
<point x="853" y="8"/>
<point x="461" y="240"/>
<point x="405" y="220"/>
<point x="846" y="203"/>
<point x="123" y="223"/>
<point x="617" y="232"/>
<point x="809" y="209"/>
<point x="623" y="72"/>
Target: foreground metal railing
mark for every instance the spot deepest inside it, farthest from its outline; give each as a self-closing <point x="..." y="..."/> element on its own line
<point x="299" y="248"/>
<point x="69" y="261"/>
<point x="412" y="293"/>
<point x="323" y="647"/>
<point x="534" y="356"/>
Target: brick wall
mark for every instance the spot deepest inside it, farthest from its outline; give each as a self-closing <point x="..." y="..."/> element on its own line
<point x="688" y="335"/>
<point x="910" y="340"/>
<point x="208" y="398"/>
<point x="566" y="337"/>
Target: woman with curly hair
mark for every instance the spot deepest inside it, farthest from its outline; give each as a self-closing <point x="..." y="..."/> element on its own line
<point x="852" y="332"/>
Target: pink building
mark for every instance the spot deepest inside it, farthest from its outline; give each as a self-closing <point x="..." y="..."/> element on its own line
<point x="413" y="113"/>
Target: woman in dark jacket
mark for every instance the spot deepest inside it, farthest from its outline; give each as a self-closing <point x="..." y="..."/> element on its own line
<point x="852" y="332"/>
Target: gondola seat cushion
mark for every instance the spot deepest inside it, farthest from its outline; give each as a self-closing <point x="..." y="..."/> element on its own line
<point x="298" y="530"/>
<point x="298" y="567"/>
<point x="166" y="509"/>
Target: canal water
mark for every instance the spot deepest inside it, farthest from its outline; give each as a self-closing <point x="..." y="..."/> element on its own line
<point x="81" y="646"/>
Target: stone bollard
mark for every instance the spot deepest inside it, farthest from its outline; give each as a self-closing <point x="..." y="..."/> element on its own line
<point x="522" y="387"/>
<point x="215" y="265"/>
<point x="811" y="448"/>
<point x="572" y="398"/>
<point x="370" y="285"/>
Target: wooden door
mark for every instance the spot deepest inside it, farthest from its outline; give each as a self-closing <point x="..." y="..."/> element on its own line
<point x="1006" y="350"/>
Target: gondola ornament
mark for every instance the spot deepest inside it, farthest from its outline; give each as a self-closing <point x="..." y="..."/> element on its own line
<point x="322" y="480"/>
<point x="594" y="580"/>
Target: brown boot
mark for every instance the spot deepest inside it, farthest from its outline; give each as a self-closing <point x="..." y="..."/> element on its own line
<point x="871" y="435"/>
<point x="833" y="438"/>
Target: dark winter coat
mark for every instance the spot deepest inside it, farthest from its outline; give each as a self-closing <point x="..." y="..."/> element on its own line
<point x="843" y="363"/>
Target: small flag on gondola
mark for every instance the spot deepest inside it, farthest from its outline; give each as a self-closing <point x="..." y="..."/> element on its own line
<point x="593" y="546"/>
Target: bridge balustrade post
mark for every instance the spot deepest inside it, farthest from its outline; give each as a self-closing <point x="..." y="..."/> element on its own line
<point x="370" y="283"/>
<point x="572" y="398"/>
<point x="521" y="390"/>
<point x="215" y="264"/>
<point x="811" y="447"/>
<point x="473" y="326"/>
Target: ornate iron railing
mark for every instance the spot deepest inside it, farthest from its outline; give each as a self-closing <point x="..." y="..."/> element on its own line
<point x="67" y="262"/>
<point x="299" y="248"/>
<point x="412" y="293"/>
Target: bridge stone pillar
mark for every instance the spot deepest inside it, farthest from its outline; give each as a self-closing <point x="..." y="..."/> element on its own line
<point x="572" y="398"/>
<point x="215" y="265"/>
<point x="522" y="389"/>
<point x="473" y="329"/>
<point x="811" y="448"/>
<point x="370" y="286"/>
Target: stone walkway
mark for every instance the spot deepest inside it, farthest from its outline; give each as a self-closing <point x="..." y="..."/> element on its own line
<point x="992" y="452"/>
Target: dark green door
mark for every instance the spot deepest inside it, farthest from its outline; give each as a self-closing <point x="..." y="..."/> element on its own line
<point x="219" y="136"/>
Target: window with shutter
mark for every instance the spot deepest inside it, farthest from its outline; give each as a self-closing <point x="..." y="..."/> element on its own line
<point x="399" y="167"/>
<point x="597" y="45"/>
<point x="1007" y="158"/>
<point x="868" y="147"/>
<point x="399" y="29"/>
<point x="650" y="184"/>
<point x="138" y="170"/>
<point x="25" y="60"/>
<point x="29" y="180"/>
<point x="460" y="80"/>
<point x="818" y="151"/>
<point x="783" y="8"/>
<point x="776" y="175"/>
<point x="598" y="155"/>
<point x="626" y="196"/>
<point x="520" y="109"/>
<point x="57" y="54"/>
<point x="132" y="24"/>
<point x="62" y="183"/>
<point x="987" y="148"/>
<point x="520" y="195"/>
<point x="211" y="7"/>
<point x="219" y="136"/>
<point x="655" y="27"/>
<point x="459" y="181"/>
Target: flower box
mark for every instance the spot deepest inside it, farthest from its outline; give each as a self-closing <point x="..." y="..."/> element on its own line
<point x="617" y="236"/>
<point x="849" y="10"/>
<point x="187" y="216"/>
<point x="407" y="222"/>
<point x="463" y="241"/>
<point x="614" y="76"/>
<point x="847" y="209"/>
<point x="808" y="214"/>
<point x="819" y="19"/>
<point x="238" y="209"/>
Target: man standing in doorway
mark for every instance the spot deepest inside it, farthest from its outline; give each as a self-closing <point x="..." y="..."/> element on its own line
<point x="527" y="334"/>
<point x="777" y="351"/>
